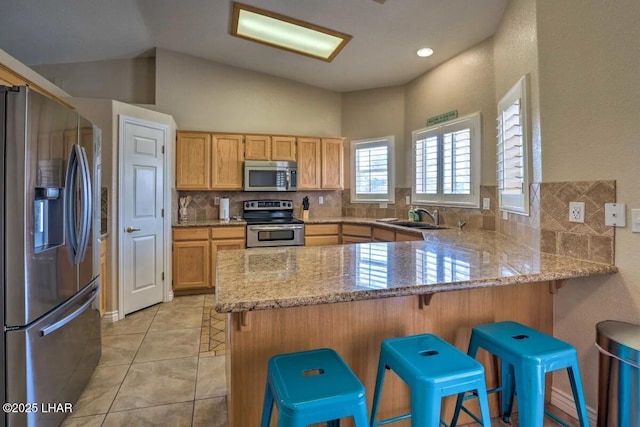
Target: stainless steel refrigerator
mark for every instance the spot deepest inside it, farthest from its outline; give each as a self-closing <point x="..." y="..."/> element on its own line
<point x="49" y="266"/>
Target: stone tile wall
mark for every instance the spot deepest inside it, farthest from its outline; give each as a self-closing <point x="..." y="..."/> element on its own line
<point x="203" y="207"/>
<point x="548" y="228"/>
<point x="449" y="216"/>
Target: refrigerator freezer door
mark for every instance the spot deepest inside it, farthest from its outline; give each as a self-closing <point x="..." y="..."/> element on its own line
<point x="39" y="269"/>
<point x="52" y="360"/>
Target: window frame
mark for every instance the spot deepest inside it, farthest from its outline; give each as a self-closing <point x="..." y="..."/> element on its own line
<point x="472" y="122"/>
<point x="516" y="203"/>
<point x="389" y="142"/>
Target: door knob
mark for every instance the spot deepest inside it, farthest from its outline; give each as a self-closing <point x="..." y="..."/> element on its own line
<point x="131" y="229"/>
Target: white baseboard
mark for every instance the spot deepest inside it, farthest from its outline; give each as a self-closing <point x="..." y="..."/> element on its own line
<point x="110" y="316"/>
<point x="564" y="402"/>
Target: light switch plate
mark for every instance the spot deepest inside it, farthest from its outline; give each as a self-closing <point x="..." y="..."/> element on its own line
<point x="505" y="215"/>
<point x="383" y="205"/>
<point x="614" y="214"/>
<point x="216" y="201"/>
<point x="407" y="200"/>
<point x="635" y="220"/>
<point x="486" y="203"/>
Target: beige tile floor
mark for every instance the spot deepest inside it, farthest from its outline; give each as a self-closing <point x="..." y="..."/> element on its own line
<point x="164" y="366"/>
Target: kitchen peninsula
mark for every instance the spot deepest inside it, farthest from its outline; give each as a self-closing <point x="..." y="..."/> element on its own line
<point x="351" y="297"/>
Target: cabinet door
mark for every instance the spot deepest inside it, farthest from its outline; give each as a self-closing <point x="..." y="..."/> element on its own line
<point x="383" y="235"/>
<point x="222" y="245"/>
<point x="308" y="163"/>
<point x="257" y="147"/>
<point x="332" y="164"/>
<point x="191" y="265"/>
<point x="193" y="161"/>
<point x="283" y="148"/>
<point x="406" y="237"/>
<point x="227" y="158"/>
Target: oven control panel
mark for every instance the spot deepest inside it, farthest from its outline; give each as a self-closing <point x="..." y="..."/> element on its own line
<point x="250" y="205"/>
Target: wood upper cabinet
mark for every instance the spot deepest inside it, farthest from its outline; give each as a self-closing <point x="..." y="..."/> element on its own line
<point x="309" y="163"/>
<point x="193" y="161"/>
<point x="227" y="158"/>
<point x="320" y="164"/>
<point x="332" y="164"/>
<point x="257" y="147"/>
<point x="283" y="148"/>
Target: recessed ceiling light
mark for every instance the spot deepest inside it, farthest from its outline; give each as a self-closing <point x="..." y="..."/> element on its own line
<point x="424" y="52"/>
<point x="286" y="33"/>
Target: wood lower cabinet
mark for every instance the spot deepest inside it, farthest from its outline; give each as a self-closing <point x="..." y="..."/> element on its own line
<point x="407" y="237"/>
<point x="321" y="234"/>
<point x="191" y="259"/>
<point x="353" y="233"/>
<point x="194" y="255"/>
<point x="380" y="234"/>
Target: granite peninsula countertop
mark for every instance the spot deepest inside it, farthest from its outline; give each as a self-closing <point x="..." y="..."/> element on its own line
<point x="447" y="260"/>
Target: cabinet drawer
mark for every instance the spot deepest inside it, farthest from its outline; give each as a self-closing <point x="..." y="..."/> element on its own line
<point x="356" y="230"/>
<point x="405" y="237"/>
<point x="384" y="235"/>
<point x="353" y="239"/>
<point x="227" y="232"/>
<point x="190" y="234"/>
<point x="321" y="229"/>
<point x="321" y="240"/>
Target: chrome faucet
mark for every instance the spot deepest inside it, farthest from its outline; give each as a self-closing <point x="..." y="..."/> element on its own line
<point x="433" y="215"/>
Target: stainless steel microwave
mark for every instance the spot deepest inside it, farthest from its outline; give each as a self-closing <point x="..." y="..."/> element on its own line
<point x="270" y="176"/>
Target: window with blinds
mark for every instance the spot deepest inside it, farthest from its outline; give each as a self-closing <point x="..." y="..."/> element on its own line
<point x="512" y="149"/>
<point x="372" y="177"/>
<point x="447" y="163"/>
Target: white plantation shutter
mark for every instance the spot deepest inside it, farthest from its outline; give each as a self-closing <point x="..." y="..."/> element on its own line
<point x="447" y="163"/>
<point x="512" y="149"/>
<point x="372" y="170"/>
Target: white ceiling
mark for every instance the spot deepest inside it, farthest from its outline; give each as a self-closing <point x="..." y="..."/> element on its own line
<point x="381" y="53"/>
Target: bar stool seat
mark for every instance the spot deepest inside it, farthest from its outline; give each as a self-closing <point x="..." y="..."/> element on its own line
<point x="526" y="356"/>
<point x="433" y="369"/>
<point x="312" y="387"/>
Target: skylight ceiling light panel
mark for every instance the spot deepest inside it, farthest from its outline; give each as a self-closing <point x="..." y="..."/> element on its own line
<point x="286" y="33"/>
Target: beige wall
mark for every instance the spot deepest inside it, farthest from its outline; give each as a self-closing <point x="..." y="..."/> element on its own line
<point x="204" y="95"/>
<point x="371" y="114"/>
<point x="590" y="98"/>
<point x="463" y="83"/>
<point x="516" y="54"/>
<point x="126" y="80"/>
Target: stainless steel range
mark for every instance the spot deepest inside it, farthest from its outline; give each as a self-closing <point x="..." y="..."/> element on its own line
<point x="271" y="223"/>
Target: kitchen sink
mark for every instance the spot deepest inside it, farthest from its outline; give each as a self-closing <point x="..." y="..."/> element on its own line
<point x="419" y="225"/>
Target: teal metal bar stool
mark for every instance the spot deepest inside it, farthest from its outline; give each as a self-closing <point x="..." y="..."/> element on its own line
<point x="313" y="387"/>
<point x="526" y="356"/>
<point x="433" y="369"/>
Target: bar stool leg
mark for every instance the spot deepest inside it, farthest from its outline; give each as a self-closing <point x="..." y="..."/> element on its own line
<point x="530" y="389"/>
<point x="267" y="406"/>
<point x="382" y="367"/>
<point x="508" y="390"/>
<point x="484" y="405"/>
<point x="360" y="416"/>
<point x="425" y="408"/>
<point x="578" y="395"/>
<point x="456" y="413"/>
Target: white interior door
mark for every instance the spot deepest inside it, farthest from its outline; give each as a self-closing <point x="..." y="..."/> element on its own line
<point x="142" y="202"/>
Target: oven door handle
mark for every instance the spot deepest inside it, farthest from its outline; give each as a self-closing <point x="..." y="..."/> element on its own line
<point x="274" y="227"/>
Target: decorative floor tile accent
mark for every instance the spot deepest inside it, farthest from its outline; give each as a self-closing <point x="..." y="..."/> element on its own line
<point x="214" y="332"/>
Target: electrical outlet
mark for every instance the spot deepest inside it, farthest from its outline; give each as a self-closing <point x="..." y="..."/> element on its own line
<point x="576" y="211"/>
<point x="383" y="205"/>
<point x="320" y="200"/>
<point x="486" y="203"/>
<point x="216" y="201"/>
<point x="505" y="215"/>
<point x="407" y="200"/>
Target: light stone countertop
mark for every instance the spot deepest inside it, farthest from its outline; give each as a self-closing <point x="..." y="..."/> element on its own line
<point x="447" y="260"/>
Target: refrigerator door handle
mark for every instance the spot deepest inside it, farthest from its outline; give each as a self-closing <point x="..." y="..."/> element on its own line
<point x="70" y="194"/>
<point x="86" y="211"/>
<point x="60" y="323"/>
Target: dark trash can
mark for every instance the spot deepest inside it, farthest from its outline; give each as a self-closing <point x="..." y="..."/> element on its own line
<point x="619" y="374"/>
